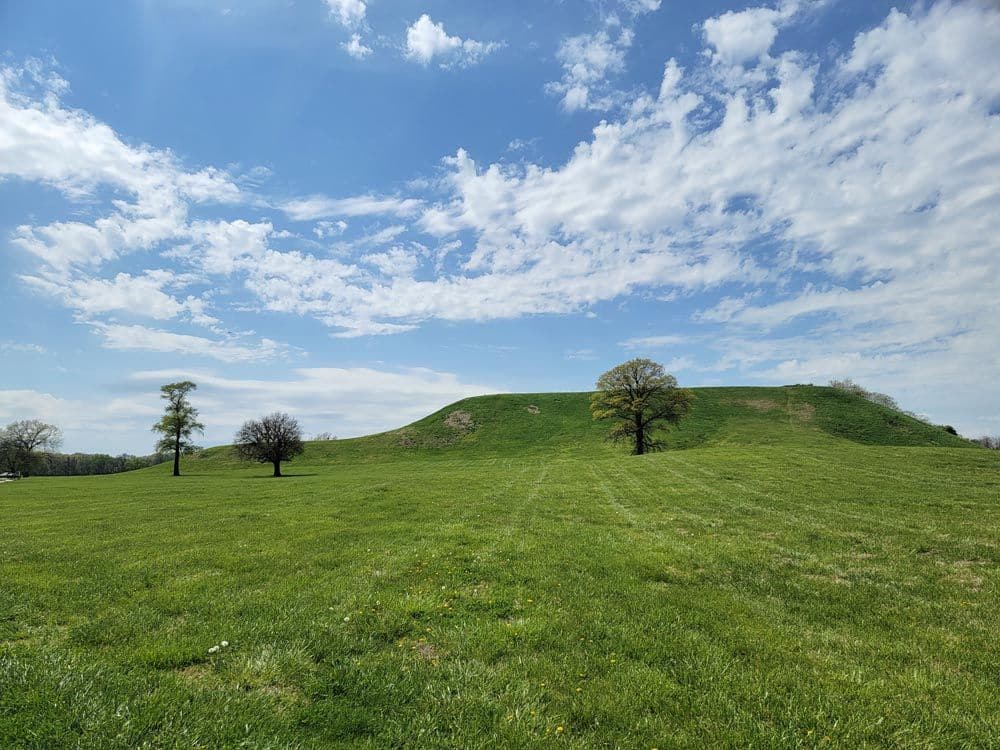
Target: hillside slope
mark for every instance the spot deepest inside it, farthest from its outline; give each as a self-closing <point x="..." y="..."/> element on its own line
<point x="515" y="424"/>
<point x="503" y="578"/>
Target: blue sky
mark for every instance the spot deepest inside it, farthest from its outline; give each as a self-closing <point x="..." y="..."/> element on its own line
<point x="358" y="211"/>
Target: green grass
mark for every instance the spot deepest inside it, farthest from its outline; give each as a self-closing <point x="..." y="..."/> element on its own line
<point x="802" y="569"/>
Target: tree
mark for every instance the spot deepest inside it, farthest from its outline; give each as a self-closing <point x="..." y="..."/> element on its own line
<point x="641" y="398"/>
<point x="269" y="440"/>
<point x="178" y="423"/>
<point x="6" y="454"/>
<point x="21" y="440"/>
<point x="882" y="399"/>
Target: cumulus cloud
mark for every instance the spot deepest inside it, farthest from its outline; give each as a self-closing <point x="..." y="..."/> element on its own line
<point x="857" y="191"/>
<point x="426" y="40"/>
<point x="740" y="37"/>
<point x="395" y="263"/>
<point x="69" y="150"/>
<point x="143" y="295"/>
<point x="587" y="61"/>
<point x="326" y="229"/>
<point x="349" y="13"/>
<point x="356" y="48"/>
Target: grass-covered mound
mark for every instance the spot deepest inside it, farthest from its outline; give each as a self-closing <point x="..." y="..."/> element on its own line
<point x="508" y="579"/>
<point x="560" y="423"/>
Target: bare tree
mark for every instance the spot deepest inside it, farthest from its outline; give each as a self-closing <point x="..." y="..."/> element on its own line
<point x="990" y="442"/>
<point x="21" y="439"/>
<point x="178" y="423"/>
<point x="882" y="399"/>
<point x="641" y="398"/>
<point x="269" y="440"/>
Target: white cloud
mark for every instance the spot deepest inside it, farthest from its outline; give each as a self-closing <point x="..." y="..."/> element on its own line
<point x="141" y="295"/>
<point x="72" y="152"/>
<point x="381" y="237"/>
<point x="345" y="401"/>
<point x="394" y="263"/>
<point x="141" y="338"/>
<point x="724" y="310"/>
<point x="69" y="150"/>
<point x="21" y="348"/>
<point x="855" y="193"/>
<point x="223" y="247"/>
<point x="641" y="6"/>
<point x="326" y="229"/>
<point x="590" y="60"/>
<point x="652" y="342"/>
<point x="322" y="207"/>
<point x="356" y="48"/>
<point x="117" y="425"/>
<point x="587" y="61"/>
<point x="349" y="13"/>
<point x="426" y="40"/>
<point x="740" y="37"/>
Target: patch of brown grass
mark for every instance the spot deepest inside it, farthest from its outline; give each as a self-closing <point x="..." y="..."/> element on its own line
<point x="197" y="673"/>
<point x="460" y="421"/>
<point x="426" y="651"/>
<point x="761" y="404"/>
<point x="804" y="411"/>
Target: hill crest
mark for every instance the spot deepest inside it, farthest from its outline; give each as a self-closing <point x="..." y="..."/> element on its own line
<point x="526" y="423"/>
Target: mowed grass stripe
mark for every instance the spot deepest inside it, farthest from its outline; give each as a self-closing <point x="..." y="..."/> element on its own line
<point x="767" y="582"/>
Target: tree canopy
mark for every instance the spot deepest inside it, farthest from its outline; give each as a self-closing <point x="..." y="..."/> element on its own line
<point x="271" y="439"/>
<point x="178" y="423"/>
<point x="19" y="442"/>
<point x="641" y="399"/>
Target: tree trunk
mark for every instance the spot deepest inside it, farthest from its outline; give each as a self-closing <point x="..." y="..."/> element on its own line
<point x="177" y="455"/>
<point x="277" y="469"/>
<point x="640" y="437"/>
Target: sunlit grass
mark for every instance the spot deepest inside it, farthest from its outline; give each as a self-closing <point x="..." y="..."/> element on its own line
<point x="523" y="584"/>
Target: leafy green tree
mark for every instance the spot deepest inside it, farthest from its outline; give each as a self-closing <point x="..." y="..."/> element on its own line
<point x="269" y="440"/>
<point x="641" y="399"/>
<point x="178" y="423"/>
<point x="21" y="440"/>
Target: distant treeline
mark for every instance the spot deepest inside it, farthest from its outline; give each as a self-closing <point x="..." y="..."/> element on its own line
<point x="79" y="464"/>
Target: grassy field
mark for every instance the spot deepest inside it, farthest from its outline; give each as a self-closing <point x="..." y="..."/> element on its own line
<point x="801" y="569"/>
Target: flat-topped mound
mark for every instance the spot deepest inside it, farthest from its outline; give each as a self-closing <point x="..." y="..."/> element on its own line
<point x="497" y="575"/>
<point x="515" y="424"/>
